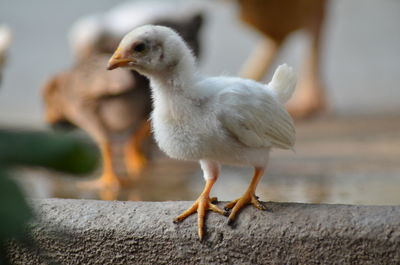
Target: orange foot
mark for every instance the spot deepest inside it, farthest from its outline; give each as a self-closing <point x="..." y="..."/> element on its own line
<point x="106" y="181"/>
<point x="107" y="186"/>
<point x="201" y="205"/>
<point x="238" y="204"/>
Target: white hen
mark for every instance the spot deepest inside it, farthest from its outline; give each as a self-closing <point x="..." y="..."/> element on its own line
<point x="214" y="120"/>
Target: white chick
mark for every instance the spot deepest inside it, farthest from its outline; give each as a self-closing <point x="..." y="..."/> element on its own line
<point x="213" y="120"/>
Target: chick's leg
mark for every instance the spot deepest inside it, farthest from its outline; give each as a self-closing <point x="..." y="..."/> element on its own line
<point x="204" y="203"/>
<point x="135" y="160"/>
<point x="248" y="197"/>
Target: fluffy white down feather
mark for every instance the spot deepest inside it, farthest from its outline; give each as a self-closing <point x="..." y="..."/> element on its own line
<point x="222" y="119"/>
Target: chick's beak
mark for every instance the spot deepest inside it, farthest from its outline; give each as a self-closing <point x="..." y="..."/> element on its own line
<point x="117" y="60"/>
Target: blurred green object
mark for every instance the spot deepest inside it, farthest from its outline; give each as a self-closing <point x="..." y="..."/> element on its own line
<point x="14" y="211"/>
<point x="50" y="150"/>
<point x="53" y="151"/>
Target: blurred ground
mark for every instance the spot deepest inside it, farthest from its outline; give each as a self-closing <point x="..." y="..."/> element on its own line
<point x="336" y="161"/>
<point x="353" y="158"/>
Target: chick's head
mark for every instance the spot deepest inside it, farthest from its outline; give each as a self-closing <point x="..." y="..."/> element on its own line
<point x="149" y="49"/>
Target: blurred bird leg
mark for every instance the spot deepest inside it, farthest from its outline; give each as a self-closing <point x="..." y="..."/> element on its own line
<point x="309" y="97"/>
<point x="248" y="197"/>
<point x="204" y="203"/>
<point x="108" y="179"/>
<point x="135" y="160"/>
<point x="261" y="59"/>
<point x="108" y="194"/>
<point x="306" y="15"/>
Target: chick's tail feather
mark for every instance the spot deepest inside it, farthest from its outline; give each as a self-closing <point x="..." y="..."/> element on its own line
<point x="283" y="83"/>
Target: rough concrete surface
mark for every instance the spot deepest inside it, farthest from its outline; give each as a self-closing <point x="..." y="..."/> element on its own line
<point x="99" y="232"/>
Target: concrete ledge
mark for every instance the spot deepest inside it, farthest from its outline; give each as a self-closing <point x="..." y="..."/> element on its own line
<point x="99" y="232"/>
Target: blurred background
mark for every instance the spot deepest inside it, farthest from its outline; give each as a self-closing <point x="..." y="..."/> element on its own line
<point x="350" y="154"/>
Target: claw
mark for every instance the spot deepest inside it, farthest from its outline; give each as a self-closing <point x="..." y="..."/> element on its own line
<point x="238" y="204"/>
<point x="230" y="222"/>
<point x="259" y="205"/>
<point x="201" y="206"/>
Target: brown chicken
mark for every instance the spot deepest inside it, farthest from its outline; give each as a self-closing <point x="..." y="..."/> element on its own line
<point x="110" y="104"/>
<point x="275" y="20"/>
<point x="105" y="104"/>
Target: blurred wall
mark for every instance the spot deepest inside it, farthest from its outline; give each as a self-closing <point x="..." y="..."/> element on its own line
<point x="361" y="52"/>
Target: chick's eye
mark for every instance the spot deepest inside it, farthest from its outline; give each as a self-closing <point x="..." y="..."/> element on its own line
<point x="139" y="47"/>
